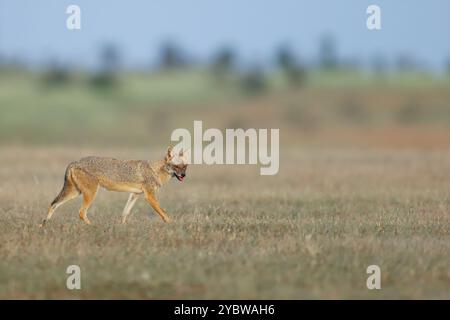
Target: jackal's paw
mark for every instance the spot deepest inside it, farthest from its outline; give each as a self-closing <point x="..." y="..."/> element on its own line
<point x="85" y="220"/>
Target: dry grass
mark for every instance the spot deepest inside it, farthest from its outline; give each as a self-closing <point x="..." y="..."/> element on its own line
<point x="309" y="232"/>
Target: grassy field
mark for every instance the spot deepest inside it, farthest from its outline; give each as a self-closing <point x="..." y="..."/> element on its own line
<point x="309" y="232"/>
<point x="364" y="179"/>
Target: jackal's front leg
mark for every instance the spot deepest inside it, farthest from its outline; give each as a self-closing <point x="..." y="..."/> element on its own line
<point x="149" y="195"/>
<point x="130" y="203"/>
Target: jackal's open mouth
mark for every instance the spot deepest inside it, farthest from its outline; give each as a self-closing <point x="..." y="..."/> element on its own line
<point x="179" y="177"/>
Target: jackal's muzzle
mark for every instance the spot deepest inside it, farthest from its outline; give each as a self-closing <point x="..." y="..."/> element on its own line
<point x="180" y="177"/>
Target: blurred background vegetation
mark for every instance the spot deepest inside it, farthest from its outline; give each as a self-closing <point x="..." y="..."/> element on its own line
<point x="315" y="103"/>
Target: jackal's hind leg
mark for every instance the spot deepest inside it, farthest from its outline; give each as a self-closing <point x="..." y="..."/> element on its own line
<point x="130" y="203"/>
<point x="88" y="185"/>
<point x="68" y="192"/>
<point x="87" y="201"/>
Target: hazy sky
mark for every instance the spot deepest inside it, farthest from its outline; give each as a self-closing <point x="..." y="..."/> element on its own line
<point x="34" y="30"/>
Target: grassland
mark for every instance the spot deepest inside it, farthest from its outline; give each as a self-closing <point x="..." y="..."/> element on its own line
<point x="309" y="232"/>
<point x="364" y="179"/>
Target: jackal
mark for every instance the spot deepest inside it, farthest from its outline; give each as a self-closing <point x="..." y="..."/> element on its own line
<point x="137" y="177"/>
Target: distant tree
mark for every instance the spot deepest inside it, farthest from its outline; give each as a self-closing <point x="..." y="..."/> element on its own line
<point x="109" y="66"/>
<point x="110" y="58"/>
<point x="294" y="72"/>
<point x="103" y="80"/>
<point x="55" y="74"/>
<point x="254" y="81"/>
<point x="171" y="57"/>
<point x="285" y="58"/>
<point x="223" y="63"/>
<point x="379" y="65"/>
<point x="405" y="63"/>
<point x="328" y="53"/>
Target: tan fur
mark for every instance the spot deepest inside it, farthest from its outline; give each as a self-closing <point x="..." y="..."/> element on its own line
<point x="137" y="177"/>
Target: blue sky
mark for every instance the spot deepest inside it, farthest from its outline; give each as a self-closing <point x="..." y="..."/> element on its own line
<point x="36" y="30"/>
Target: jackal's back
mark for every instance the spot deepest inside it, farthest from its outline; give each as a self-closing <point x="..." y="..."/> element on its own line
<point x="110" y="171"/>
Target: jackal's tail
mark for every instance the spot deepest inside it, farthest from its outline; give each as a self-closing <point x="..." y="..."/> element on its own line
<point x="69" y="187"/>
<point x="69" y="191"/>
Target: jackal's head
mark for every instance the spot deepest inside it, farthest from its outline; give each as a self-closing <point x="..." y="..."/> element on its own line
<point x="176" y="164"/>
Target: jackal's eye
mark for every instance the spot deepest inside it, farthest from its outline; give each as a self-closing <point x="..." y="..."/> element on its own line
<point x="180" y="167"/>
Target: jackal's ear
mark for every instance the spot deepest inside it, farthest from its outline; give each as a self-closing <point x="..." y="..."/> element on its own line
<point x="169" y="154"/>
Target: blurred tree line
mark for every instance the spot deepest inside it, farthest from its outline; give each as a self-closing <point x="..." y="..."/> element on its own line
<point x="225" y="67"/>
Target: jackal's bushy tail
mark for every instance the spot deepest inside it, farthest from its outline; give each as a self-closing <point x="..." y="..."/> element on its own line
<point x="69" y="185"/>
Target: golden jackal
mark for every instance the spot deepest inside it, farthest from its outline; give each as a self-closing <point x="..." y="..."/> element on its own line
<point x="138" y="177"/>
